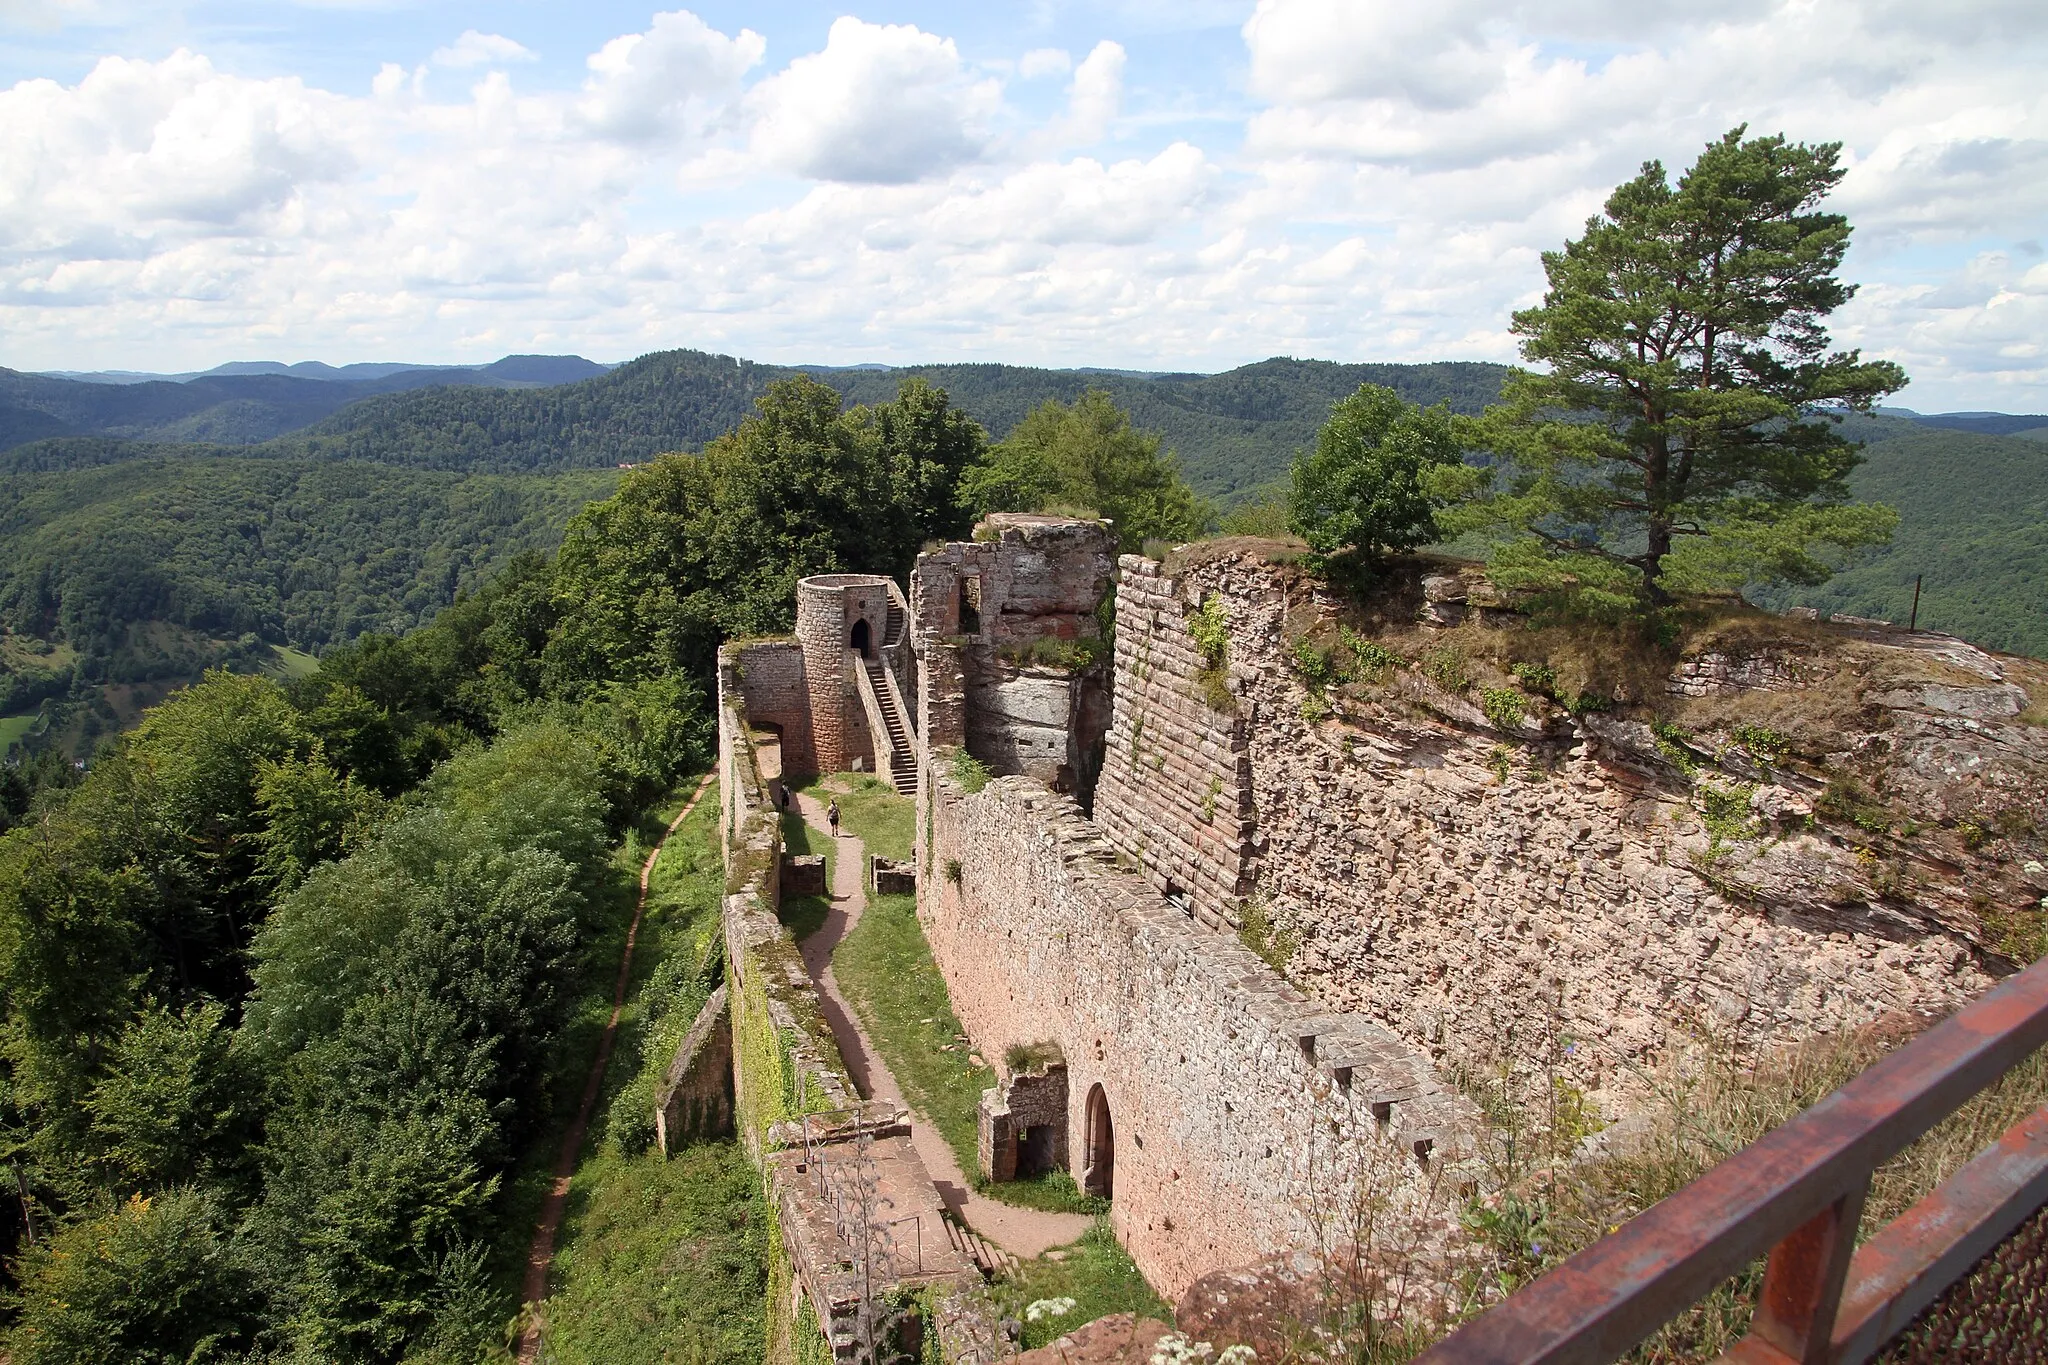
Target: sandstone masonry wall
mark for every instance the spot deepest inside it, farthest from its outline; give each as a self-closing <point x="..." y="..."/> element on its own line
<point x="1236" y="1102"/>
<point x="775" y="691"/>
<point x="1479" y="912"/>
<point x="1176" y="788"/>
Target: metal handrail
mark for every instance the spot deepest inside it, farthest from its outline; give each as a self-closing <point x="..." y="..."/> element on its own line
<point x="1798" y="1193"/>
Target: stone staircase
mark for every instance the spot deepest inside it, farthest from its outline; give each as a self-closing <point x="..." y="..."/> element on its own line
<point x="989" y="1258"/>
<point x="902" y="759"/>
<point x="892" y="626"/>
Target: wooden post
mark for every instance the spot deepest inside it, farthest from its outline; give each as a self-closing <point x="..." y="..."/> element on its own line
<point x="1913" y="622"/>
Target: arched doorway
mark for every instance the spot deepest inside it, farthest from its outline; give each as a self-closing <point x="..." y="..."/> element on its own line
<point x="1098" y="1169"/>
<point x="860" y="639"/>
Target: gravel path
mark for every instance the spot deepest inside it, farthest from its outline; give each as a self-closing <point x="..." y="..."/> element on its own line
<point x="1021" y="1232"/>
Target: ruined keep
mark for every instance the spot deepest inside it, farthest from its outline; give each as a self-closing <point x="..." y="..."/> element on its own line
<point x="1447" y="880"/>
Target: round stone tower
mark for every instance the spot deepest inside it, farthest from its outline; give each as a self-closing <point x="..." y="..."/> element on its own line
<point x="835" y="613"/>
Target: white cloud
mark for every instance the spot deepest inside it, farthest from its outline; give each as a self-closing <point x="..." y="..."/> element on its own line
<point x="644" y="85"/>
<point x="1383" y="190"/>
<point x="1044" y="61"/>
<point x="481" y="49"/>
<point x="882" y="104"/>
<point x="1098" y="94"/>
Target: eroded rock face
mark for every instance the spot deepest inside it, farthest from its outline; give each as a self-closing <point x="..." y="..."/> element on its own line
<point x="1836" y="827"/>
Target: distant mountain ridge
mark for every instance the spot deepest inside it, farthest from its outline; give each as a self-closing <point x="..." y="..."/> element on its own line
<point x="511" y="369"/>
<point x="1970" y="493"/>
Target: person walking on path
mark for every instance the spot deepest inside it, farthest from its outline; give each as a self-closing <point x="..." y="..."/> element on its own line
<point x="832" y="816"/>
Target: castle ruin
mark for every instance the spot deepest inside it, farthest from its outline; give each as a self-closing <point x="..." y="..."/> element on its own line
<point x="1100" y="835"/>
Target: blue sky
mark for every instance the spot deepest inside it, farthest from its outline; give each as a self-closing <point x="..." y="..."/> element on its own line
<point x="1143" y="184"/>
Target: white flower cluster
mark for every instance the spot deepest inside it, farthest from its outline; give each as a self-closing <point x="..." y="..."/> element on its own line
<point x="1048" y="1308"/>
<point x="1175" y="1349"/>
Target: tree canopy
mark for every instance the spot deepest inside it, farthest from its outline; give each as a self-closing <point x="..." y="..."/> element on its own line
<point x="1380" y="470"/>
<point x="1087" y="457"/>
<point x="1680" y="433"/>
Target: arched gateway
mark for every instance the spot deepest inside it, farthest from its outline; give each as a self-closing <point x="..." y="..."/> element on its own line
<point x="1098" y="1170"/>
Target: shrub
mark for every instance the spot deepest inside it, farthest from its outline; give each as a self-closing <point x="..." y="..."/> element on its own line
<point x="1763" y="744"/>
<point x="1540" y="679"/>
<point x="1209" y="628"/>
<point x="1727" y="813"/>
<point x="970" y="772"/>
<point x="1503" y="706"/>
<point x="1273" y="938"/>
<point x="1445" y="666"/>
<point x="1846" y="798"/>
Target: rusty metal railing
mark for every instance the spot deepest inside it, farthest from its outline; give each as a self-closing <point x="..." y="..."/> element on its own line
<point x="1797" y="1193"/>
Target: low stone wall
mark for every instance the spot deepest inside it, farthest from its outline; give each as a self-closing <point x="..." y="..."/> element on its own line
<point x="1239" y="1112"/>
<point x="695" y="1099"/>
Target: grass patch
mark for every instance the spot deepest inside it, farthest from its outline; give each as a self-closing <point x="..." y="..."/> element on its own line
<point x="1097" y="1274"/>
<point x="970" y="772"/>
<point x="12" y="728"/>
<point x="886" y="969"/>
<point x="683" y="895"/>
<point x="657" y="1260"/>
<point x="661" y="1261"/>
<point x="287" y="662"/>
<point x="871" y="811"/>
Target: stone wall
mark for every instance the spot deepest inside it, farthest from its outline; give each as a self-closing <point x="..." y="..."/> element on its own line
<point x="695" y="1099"/>
<point x="1236" y="1103"/>
<point x="1553" y="885"/>
<point x="1026" y="583"/>
<point x="775" y="691"/>
<point x="1176" y="788"/>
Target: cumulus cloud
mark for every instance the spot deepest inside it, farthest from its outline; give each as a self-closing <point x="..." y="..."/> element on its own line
<point x="883" y="104"/>
<point x="1383" y="190"/>
<point x="481" y="49"/>
<point x="644" y="85"/>
<point x="1098" y="93"/>
<point x="138" y="150"/>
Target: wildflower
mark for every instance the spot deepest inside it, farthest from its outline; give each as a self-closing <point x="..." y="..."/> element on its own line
<point x="1048" y="1308"/>
<point x="1175" y="1349"/>
<point x="1237" y="1355"/>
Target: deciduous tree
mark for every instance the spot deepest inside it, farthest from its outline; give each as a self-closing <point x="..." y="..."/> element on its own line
<point x="1381" y="468"/>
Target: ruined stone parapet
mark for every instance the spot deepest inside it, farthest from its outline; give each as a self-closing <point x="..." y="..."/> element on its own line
<point x="1007" y="634"/>
<point x="768" y="676"/>
<point x="1232" y="1103"/>
<point x="1024" y="577"/>
<point x="695" y="1099"/>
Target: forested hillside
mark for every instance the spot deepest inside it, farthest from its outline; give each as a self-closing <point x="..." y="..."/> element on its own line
<point x="1973" y="523"/>
<point x="284" y="975"/>
<point x="239" y="404"/>
<point x="142" y="573"/>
